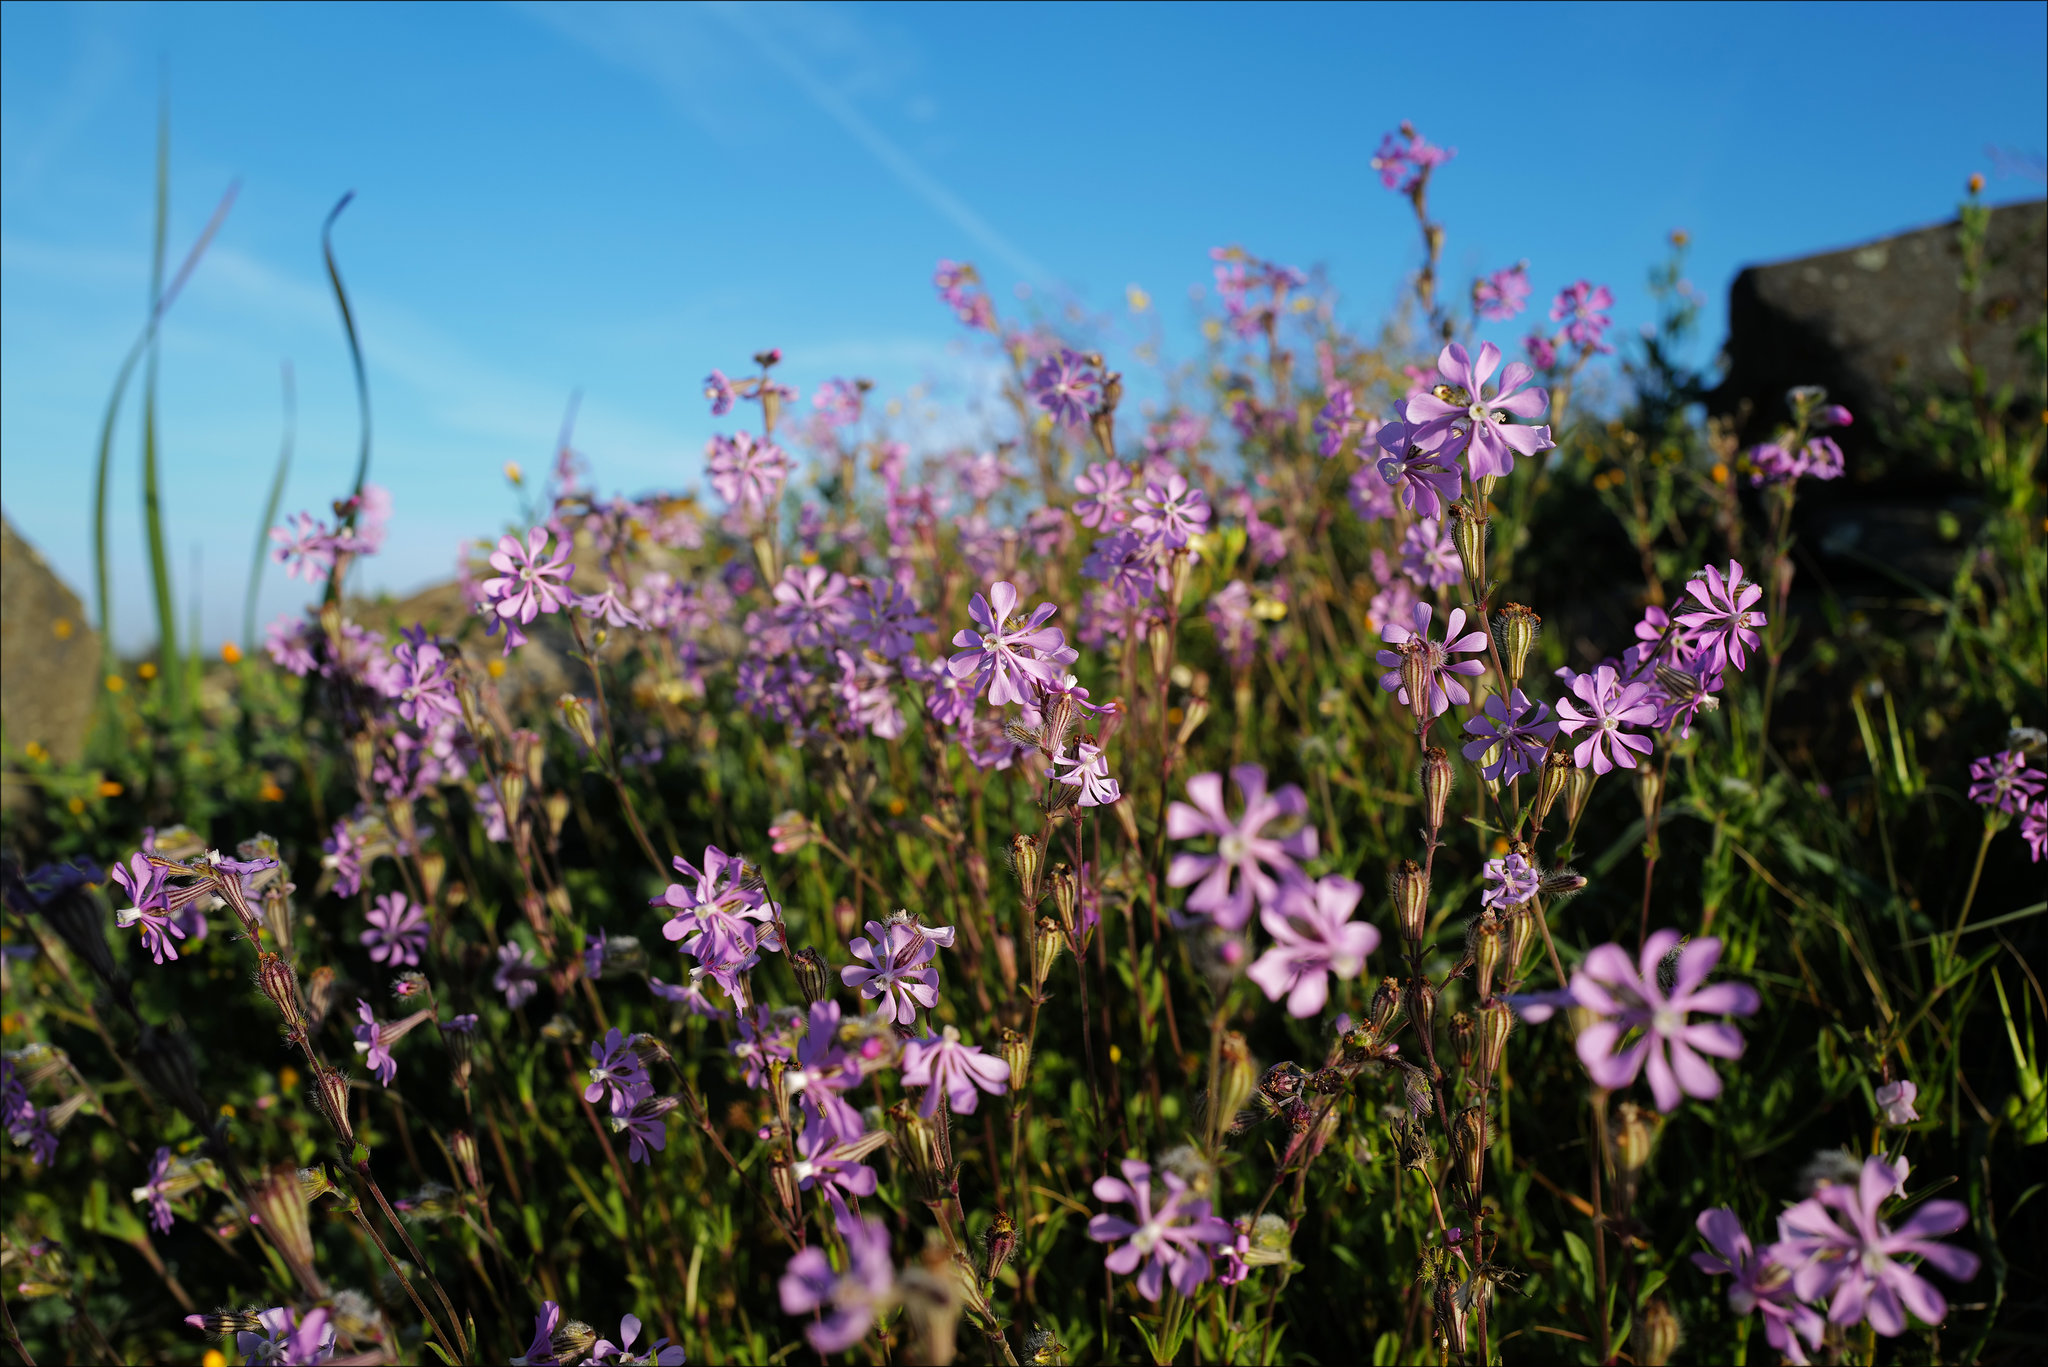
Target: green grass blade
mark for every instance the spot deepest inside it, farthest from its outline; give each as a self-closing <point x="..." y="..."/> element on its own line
<point x="152" y="494"/>
<point x="269" y="518"/>
<point x="355" y="353"/>
<point x="103" y="457"/>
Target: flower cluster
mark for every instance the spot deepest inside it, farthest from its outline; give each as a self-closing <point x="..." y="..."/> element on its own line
<point x="1836" y="1250"/>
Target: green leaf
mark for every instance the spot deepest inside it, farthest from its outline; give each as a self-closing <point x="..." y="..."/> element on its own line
<point x="1582" y="1258"/>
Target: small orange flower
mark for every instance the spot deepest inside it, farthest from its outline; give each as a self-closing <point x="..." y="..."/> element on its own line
<point x="109" y="788"/>
<point x="146" y="670"/>
<point x="231" y="652"/>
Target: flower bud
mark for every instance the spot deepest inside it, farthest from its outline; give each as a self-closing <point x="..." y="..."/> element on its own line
<point x="1496" y="1023"/>
<point x="571" y="1340"/>
<point x="512" y="795"/>
<point x="281" y="985"/>
<point x="319" y="995"/>
<point x="221" y="1323"/>
<point x="918" y="1149"/>
<point x="1386" y="1005"/>
<point x="1559" y="884"/>
<point x="1632" y="1135"/>
<point x="1126" y="814"/>
<point x="1490" y="760"/>
<point x="997" y="1244"/>
<point x="812" y="977"/>
<point x="1656" y="1334"/>
<point x="1016" y="1051"/>
<point x="277" y="914"/>
<point x="1159" y="637"/>
<point x="783" y="1177"/>
<point x="1557" y="774"/>
<point x="1027" y="858"/>
<point x="277" y="1200"/>
<point x="976" y="865"/>
<point x="1066" y="896"/>
<point x="332" y="1086"/>
<point x="1464" y="1032"/>
<point x="1422" y="999"/>
<point x="1236" y="1078"/>
<point x="576" y="716"/>
<point x="1468" y="1139"/>
<point x="556" y="805"/>
<point x="403" y="821"/>
<point x="1046" y="945"/>
<point x="1649" y="792"/>
<point x="463" y="1143"/>
<point x="315" y="1182"/>
<point x="1578" y="788"/>
<point x="1192" y="717"/>
<point x="845" y="919"/>
<point x="1450" y="1320"/>
<point x="1178" y="564"/>
<point x="1488" y="940"/>
<point x="1437" y="780"/>
<point x="1521" y="935"/>
<point x="1411" y="900"/>
<point x="1515" y="629"/>
<point x="791" y="831"/>
<point x="1006" y="960"/>
<point x="433" y="869"/>
<point x="1468" y="534"/>
<point x="1416" y="677"/>
<point x="362" y="752"/>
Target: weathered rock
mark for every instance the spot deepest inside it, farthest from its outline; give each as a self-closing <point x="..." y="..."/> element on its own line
<point x="49" y="656"/>
<point x="1869" y="321"/>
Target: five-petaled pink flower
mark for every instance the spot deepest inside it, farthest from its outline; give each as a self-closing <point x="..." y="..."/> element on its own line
<point x="1170" y="513"/>
<point x="1840" y="1251"/>
<point x="528" y="582"/>
<point x="1105" y="487"/>
<point x="1582" y="308"/>
<point x="747" y="473"/>
<point x="1459" y="417"/>
<point x="1645" y="1028"/>
<point x="2004" y="783"/>
<point x="959" y="1073"/>
<point x="1437" y="658"/>
<point x="1249" y="865"/>
<point x="144" y="884"/>
<point x="1176" y="1240"/>
<point x="1760" y="1283"/>
<point x="1008" y="656"/>
<point x="398" y="930"/>
<point x="1608" y="705"/>
<point x="1427" y="481"/>
<point x="1724" y="626"/>
<point x="896" y="966"/>
<point x="1313" y="937"/>
<point x="1066" y="386"/>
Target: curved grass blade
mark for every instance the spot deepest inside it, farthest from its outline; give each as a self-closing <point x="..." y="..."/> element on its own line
<point x="152" y="493"/>
<point x="104" y="457"/>
<point x="355" y="355"/>
<point x="269" y="518"/>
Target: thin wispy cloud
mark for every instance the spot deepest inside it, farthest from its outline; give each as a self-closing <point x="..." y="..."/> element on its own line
<point x="894" y="159"/>
<point x="674" y="48"/>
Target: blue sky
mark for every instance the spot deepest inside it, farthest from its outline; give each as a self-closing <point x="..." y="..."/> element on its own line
<point x="617" y="199"/>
